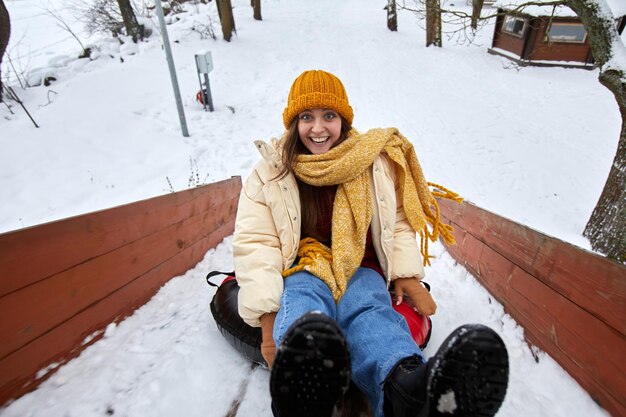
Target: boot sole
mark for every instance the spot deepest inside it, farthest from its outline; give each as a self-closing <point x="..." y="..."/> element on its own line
<point x="311" y="372"/>
<point x="469" y="374"/>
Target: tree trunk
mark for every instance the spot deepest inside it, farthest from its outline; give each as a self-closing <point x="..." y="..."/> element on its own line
<point x="433" y="23"/>
<point x="606" y="229"/>
<point x="5" y="34"/>
<point x="392" y="16"/>
<point x="256" y="4"/>
<point x="477" y="7"/>
<point x="225" y="11"/>
<point x="133" y="28"/>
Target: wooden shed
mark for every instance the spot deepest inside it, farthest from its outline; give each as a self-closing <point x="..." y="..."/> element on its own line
<point x="545" y="35"/>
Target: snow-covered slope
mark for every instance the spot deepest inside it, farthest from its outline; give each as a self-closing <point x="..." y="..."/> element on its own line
<point x="532" y="144"/>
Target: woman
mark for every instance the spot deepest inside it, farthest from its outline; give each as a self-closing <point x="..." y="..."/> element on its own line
<point x="327" y="221"/>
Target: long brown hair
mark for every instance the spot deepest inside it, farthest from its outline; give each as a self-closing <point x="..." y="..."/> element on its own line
<point x="310" y="202"/>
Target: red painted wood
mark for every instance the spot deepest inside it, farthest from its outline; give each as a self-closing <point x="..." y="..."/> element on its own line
<point x="534" y="337"/>
<point x="569" y="301"/>
<point x="17" y="370"/>
<point x="597" y="347"/>
<point x="590" y="280"/>
<point x="519" y="243"/>
<point x="43" y="305"/>
<point x="32" y="254"/>
<point x="47" y="319"/>
<point x="595" y="283"/>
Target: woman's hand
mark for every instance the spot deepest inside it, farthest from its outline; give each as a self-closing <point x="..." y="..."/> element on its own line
<point x="419" y="295"/>
<point x="268" y="347"/>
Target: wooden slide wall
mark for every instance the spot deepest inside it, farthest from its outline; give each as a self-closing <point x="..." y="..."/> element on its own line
<point x="569" y="301"/>
<point x="62" y="283"/>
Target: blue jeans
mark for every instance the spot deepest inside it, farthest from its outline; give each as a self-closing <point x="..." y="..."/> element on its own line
<point x="378" y="337"/>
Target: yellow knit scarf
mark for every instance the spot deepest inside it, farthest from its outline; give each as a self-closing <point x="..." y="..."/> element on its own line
<point x="347" y="165"/>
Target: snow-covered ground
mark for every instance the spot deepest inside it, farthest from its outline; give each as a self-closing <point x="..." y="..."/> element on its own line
<point x="532" y="144"/>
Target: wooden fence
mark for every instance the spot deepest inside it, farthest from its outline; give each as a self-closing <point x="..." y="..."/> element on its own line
<point x="63" y="282"/>
<point x="569" y="301"/>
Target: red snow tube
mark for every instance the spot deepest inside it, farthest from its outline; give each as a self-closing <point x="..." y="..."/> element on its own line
<point x="247" y="339"/>
<point x="419" y="325"/>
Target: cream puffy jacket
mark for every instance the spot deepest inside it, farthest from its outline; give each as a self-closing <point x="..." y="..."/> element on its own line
<point x="267" y="232"/>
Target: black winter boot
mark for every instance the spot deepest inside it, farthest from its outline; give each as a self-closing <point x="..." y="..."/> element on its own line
<point x="405" y="389"/>
<point x="467" y="377"/>
<point x="311" y="372"/>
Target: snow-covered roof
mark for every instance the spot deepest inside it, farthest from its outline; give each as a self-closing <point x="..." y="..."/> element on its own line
<point x="618" y="7"/>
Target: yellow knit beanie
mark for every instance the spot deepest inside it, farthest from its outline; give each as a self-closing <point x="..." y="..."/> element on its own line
<point x="317" y="89"/>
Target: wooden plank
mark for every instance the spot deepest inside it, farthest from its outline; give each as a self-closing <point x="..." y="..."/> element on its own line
<point x="451" y="211"/>
<point x="577" y="357"/>
<point x="585" y="346"/>
<point x="18" y="370"/>
<point x="474" y="221"/>
<point x="587" y="340"/>
<point x="495" y="270"/>
<point x="32" y="254"/>
<point x="534" y="337"/>
<point x="469" y="252"/>
<point x="39" y="307"/>
<point x="593" y="282"/>
<point x="568" y="300"/>
<point x="518" y="243"/>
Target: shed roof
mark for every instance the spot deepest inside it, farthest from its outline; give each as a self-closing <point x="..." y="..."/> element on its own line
<point x="618" y="7"/>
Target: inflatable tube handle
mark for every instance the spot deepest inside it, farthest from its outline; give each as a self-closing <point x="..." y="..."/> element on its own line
<point x="215" y="273"/>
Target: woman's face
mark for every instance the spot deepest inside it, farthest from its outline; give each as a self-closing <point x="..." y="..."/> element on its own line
<point x="319" y="129"/>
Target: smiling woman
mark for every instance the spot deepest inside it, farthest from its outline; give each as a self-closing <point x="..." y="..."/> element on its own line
<point x="326" y="224"/>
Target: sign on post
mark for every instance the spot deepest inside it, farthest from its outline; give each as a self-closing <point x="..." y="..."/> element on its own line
<point x="204" y="65"/>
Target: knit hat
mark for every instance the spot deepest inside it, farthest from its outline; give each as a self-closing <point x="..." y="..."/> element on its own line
<point x="317" y="89"/>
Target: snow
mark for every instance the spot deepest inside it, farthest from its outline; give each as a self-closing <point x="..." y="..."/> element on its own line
<point x="532" y="144"/>
<point x="617" y="7"/>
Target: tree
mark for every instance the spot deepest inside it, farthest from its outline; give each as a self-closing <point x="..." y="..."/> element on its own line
<point x="5" y="34"/>
<point x="430" y="11"/>
<point x="225" y="12"/>
<point x="477" y="6"/>
<point x="392" y="15"/>
<point x="133" y="28"/>
<point x="606" y="228"/>
<point x="256" y="5"/>
<point x="433" y="23"/>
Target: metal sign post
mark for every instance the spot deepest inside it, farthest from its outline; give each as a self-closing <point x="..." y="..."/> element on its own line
<point x="170" y="63"/>
<point x="204" y="65"/>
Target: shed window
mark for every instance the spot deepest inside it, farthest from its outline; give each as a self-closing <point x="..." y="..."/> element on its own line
<point x="514" y="25"/>
<point x="566" y="32"/>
